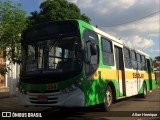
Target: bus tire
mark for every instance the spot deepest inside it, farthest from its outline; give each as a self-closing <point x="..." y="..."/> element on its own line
<point x="109" y="99"/>
<point x="144" y="94"/>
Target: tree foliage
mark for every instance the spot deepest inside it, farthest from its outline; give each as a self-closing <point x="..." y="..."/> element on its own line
<point x="157" y="58"/>
<point x="57" y="10"/>
<point x="156" y="63"/>
<point x="12" y="22"/>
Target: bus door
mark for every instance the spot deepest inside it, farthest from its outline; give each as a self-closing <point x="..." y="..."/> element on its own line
<point x="134" y="81"/>
<point x="149" y="73"/>
<point x="138" y="75"/>
<point x="120" y="70"/>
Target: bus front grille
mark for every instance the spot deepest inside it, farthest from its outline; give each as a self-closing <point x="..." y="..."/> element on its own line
<point x="43" y="100"/>
<point x="47" y="91"/>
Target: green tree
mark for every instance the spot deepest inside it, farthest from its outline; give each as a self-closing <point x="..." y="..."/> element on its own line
<point x="156" y="62"/>
<point x="157" y="58"/>
<point x="57" y="10"/>
<point x="12" y="22"/>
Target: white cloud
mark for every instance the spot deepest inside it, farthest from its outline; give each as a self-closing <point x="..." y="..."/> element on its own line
<point x="155" y="50"/>
<point x="148" y="27"/>
<point x="139" y="42"/>
<point x="42" y="1"/>
<point x="147" y="43"/>
<point x="102" y="7"/>
<point x="107" y="3"/>
<point x="73" y="1"/>
<point x="143" y="34"/>
<point x="123" y="3"/>
<point x="116" y="11"/>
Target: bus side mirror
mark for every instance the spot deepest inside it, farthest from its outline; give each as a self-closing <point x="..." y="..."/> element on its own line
<point x="93" y="49"/>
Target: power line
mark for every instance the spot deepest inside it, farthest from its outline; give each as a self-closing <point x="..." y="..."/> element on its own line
<point x="144" y="17"/>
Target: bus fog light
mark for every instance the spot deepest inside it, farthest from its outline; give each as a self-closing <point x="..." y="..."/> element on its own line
<point x="69" y="89"/>
<point x="22" y="90"/>
<point x="78" y="83"/>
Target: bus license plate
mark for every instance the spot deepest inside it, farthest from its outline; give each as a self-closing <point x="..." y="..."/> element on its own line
<point x="42" y="99"/>
<point x="52" y="86"/>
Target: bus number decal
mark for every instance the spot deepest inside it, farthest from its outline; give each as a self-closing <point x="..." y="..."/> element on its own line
<point x="137" y="75"/>
<point x="51" y="86"/>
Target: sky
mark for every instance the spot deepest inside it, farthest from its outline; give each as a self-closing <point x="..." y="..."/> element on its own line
<point x="142" y="31"/>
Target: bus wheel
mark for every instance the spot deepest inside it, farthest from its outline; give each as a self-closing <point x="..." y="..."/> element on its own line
<point x="144" y="94"/>
<point x="109" y="99"/>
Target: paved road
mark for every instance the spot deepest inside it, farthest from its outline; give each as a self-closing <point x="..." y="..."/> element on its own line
<point x="121" y="110"/>
<point x="124" y="108"/>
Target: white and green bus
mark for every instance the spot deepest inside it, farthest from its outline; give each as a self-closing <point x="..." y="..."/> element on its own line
<point x="73" y="64"/>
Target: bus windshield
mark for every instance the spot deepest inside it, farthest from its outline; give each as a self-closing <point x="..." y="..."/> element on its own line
<point x="54" y="55"/>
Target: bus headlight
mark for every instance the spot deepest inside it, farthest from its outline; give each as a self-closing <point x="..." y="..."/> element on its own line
<point x="78" y="83"/>
<point x="69" y="89"/>
<point x="22" y="90"/>
<point x="74" y="86"/>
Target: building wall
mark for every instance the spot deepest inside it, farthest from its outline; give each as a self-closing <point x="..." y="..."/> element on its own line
<point x="11" y="78"/>
<point x="2" y="78"/>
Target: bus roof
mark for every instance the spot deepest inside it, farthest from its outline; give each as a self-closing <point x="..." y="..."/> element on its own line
<point x="86" y="25"/>
<point x="91" y="27"/>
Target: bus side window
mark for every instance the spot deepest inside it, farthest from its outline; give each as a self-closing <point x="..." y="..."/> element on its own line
<point x="127" y="58"/>
<point x="139" y="61"/>
<point x="91" y="60"/>
<point x="134" y="60"/>
<point x="107" y="52"/>
<point x="151" y="64"/>
<point x="143" y="62"/>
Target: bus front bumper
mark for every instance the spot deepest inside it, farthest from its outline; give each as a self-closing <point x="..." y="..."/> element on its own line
<point x="70" y="99"/>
